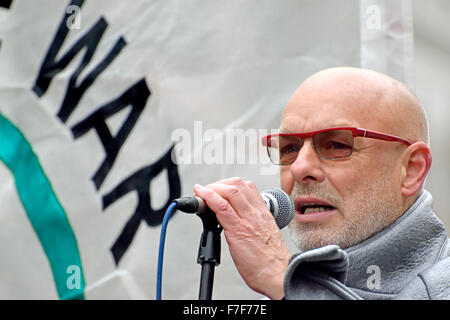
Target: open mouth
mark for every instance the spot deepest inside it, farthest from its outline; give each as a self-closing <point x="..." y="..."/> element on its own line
<point x="313" y="208"/>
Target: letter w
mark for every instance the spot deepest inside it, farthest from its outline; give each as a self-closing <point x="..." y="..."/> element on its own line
<point x="51" y="67"/>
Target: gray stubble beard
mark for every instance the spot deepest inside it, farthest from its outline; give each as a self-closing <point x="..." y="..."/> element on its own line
<point x="373" y="214"/>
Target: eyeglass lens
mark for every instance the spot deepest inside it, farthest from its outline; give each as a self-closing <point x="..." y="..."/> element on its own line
<point x="334" y="144"/>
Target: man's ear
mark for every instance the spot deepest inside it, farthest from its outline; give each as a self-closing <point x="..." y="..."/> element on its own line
<point x="415" y="167"/>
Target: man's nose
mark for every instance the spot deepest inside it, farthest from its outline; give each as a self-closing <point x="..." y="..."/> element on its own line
<point x="307" y="167"/>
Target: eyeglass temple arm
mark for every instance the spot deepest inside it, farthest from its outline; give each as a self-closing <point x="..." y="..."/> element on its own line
<point x="382" y="136"/>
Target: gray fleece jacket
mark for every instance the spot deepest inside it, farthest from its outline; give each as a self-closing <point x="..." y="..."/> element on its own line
<point x="410" y="259"/>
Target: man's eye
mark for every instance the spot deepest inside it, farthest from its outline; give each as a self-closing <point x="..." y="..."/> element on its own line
<point x="338" y="145"/>
<point x="290" y="148"/>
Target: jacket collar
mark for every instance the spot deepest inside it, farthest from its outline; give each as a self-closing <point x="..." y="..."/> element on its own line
<point x="383" y="264"/>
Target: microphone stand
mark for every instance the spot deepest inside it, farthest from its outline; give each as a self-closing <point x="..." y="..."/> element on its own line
<point x="208" y="252"/>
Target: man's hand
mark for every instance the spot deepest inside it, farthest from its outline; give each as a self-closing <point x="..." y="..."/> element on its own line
<point x="254" y="239"/>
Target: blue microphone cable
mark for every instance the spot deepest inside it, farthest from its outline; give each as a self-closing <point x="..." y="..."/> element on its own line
<point x="167" y="215"/>
<point x="187" y="205"/>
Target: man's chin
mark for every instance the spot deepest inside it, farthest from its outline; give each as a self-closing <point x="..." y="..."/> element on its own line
<point x="311" y="236"/>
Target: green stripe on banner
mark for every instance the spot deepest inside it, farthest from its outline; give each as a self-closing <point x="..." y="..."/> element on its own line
<point x="44" y="211"/>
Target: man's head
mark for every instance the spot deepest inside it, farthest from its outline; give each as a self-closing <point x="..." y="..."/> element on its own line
<point x="359" y="195"/>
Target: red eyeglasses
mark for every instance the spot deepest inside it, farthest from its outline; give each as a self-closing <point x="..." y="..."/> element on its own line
<point x="329" y="144"/>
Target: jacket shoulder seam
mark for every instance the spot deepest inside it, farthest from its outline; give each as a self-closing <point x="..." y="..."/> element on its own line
<point x="425" y="285"/>
<point x="442" y="250"/>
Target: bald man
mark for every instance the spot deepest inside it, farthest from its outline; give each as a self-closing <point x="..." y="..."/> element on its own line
<point x="353" y="154"/>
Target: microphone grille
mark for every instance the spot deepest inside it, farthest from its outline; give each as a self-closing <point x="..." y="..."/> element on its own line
<point x="286" y="208"/>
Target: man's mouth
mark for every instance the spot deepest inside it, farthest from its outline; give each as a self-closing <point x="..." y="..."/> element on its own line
<point x="312" y="208"/>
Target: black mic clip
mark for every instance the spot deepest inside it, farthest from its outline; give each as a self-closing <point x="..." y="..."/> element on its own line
<point x="210" y="244"/>
<point x="209" y="248"/>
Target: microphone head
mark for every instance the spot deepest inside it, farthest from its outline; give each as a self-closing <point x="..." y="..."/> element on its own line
<point x="282" y="207"/>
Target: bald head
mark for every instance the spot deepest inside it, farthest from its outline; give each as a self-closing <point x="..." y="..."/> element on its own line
<point x="373" y="186"/>
<point x="387" y="104"/>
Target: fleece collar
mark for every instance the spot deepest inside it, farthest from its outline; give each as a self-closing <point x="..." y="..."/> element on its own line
<point x="382" y="265"/>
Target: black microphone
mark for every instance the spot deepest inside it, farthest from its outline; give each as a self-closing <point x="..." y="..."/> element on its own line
<point x="277" y="201"/>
